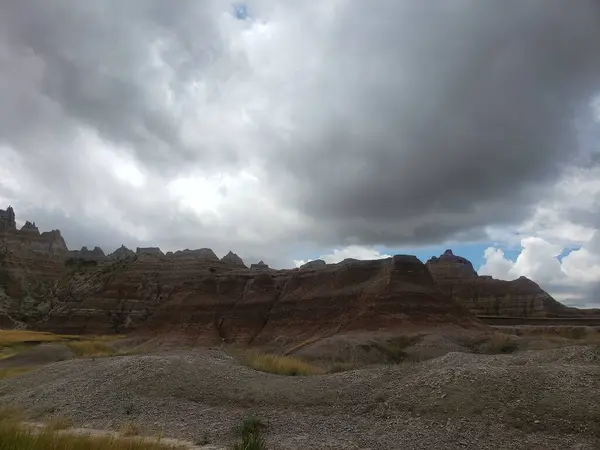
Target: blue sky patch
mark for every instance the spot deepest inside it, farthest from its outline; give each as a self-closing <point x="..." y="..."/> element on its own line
<point x="240" y="11"/>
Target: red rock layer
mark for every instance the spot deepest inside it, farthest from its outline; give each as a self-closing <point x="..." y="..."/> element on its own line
<point x="218" y="301"/>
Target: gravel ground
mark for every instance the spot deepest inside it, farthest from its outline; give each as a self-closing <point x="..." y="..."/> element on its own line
<point x="546" y="399"/>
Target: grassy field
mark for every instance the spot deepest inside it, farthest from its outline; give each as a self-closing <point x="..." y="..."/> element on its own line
<point x="10" y="338"/>
<point x="13" y="342"/>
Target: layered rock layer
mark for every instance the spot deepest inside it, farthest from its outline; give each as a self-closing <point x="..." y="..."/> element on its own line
<point x="486" y="296"/>
<point x="44" y="286"/>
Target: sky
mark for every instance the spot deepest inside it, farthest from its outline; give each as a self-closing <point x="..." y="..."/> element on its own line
<point x="293" y="130"/>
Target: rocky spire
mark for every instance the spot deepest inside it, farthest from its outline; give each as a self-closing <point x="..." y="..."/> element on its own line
<point x="233" y="259"/>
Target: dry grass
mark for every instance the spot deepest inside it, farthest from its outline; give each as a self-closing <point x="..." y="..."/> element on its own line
<point x="15" y="371"/>
<point x="130" y="429"/>
<point x="15" y="337"/>
<point x="15" y="437"/>
<point x="12" y="414"/>
<point x="91" y="348"/>
<point x="501" y="343"/>
<point x="16" y="341"/>
<point x="277" y="364"/>
<point x="57" y="423"/>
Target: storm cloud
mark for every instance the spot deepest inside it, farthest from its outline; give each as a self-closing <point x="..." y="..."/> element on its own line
<point x="306" y="123"/>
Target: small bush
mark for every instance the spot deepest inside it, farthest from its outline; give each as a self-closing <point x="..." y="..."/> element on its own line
<point x="250" y="442"/>
<point x="394" y="349"/>
<point x="250" y="425"/>
<point x="249" y="433"/>
<point x="204" y="440"/>
<point x="502" y="343"/>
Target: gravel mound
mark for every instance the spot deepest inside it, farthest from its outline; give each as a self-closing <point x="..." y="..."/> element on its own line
<point x="532" y="400"/>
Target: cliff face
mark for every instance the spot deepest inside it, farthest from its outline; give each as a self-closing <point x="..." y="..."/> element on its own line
<point x="486" y="296"/>
<point x="44" y="286"/>
<point x="31" y="266"/>
<point x="216" y="300"/>
<point x="193" y="292"/>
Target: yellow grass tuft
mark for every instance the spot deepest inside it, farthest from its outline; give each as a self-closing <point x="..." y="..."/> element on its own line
<point x="57" y="423"/>
<point x="280" y="365"/>
<point x="130" y="429"/>
<point x="91" y="348"/>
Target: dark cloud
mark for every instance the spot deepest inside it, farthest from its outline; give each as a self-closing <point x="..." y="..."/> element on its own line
<point x="444" y="118"/>
<point x="390" y="122"/>
<point x="99" y="64"/>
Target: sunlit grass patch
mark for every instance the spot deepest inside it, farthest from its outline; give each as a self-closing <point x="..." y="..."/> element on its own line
<point x="57" y="423"/>
<point x="16" y="341"/>
<point x="130" y="429"/>
<point x="15" y="371"/>
<point x="91" y="348"/>
<point x="16" y="437"/>
<point x="15" y="337"/>
<point x="277" y="364"/>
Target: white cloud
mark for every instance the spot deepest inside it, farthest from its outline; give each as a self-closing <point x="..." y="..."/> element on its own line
<point x="571" y="278"/>
<point x="352" y="251"/>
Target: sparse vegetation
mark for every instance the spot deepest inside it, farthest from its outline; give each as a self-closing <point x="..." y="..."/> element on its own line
<point x="130" y="429"/>
<point x="17" y="341"/>
<point x="91" y="348"/>
<point x="10" y="413"/>
<point x="249" y="434"/>
<point x="394" y="349"/>
<point x="15" y="371"/>
<point x="204" y="440"/>
<point x="10" y="338"/>
<point x="277" y="364"/>
<point x="501" y="343"/>
<point x="57" y="423"/>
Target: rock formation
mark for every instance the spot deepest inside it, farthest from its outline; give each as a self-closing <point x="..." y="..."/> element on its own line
<point x="30" y="227"/>
<point x="486" y="296"/>
<point x="154" y="251"/>
<point x="234" y="259"/>
<point x="202" y="253"/>
<point x="44" y="286"/>
<point x="86" y="255"/>
<point x="7" y="219"/>
<point x="121" y="253"/>
<point x="259" y="266"/>
<point x="449" y="267"/>
<point x="316" y="264"/>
